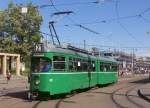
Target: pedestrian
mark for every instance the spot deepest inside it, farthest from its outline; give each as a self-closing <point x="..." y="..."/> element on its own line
<point x="8" y="76"/>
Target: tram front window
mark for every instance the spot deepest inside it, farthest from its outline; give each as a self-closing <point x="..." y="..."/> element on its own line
<point x="40" y="64"/>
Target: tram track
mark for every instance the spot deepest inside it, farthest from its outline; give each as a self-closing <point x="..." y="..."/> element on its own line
<point x="36" y="104"/>
<point x="58" y="104"/>
<point x="62" y="100"/>
<point x="121" y="90"/>
<point x="58" y="101"/>
<point x="131" y="100"/>
<point x="126" y="97"/>
<point x="127" y="88"/>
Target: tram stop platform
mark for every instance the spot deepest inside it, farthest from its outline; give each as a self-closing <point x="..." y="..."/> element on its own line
<point x="144" y="92"/>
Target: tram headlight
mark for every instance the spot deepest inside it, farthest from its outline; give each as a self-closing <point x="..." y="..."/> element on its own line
<point x="37" y="82"/>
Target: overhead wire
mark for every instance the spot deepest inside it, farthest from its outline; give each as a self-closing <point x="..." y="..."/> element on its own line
<point x="144" y="19"/>
<point x="106" y="46"/>
<point x="115" y="19"/>
<point x="145" y="11"/>
<point x="123" y="27"/>
<point x="73" y="3"/>
<point x="108" y="20"/>
<point x="57" y="10"/>
<point x="83" y="27"/>
<point x="104" y="21"/>
<point x="76" y="24"/>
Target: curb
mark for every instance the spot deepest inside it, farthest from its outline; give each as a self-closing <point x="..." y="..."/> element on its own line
<point x="143" y="96"/>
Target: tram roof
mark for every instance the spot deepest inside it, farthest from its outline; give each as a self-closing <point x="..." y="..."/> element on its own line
<point x="67" y="51"/>
<point x="108" y="59"/>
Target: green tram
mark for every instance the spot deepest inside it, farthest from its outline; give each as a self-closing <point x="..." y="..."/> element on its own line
<point x="59" y="71"/>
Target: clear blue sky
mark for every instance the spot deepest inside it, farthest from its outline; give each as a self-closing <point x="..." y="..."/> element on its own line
<point x="128" y="32"/>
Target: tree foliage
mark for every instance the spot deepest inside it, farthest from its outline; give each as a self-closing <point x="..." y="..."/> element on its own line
<point x="19" y="32"/>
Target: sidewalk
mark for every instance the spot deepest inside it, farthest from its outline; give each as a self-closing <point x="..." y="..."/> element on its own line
<point x="15" y="84"/>
<point x="144" y="92"/>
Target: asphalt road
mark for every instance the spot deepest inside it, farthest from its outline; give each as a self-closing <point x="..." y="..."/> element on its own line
<point x="120" y="95"/>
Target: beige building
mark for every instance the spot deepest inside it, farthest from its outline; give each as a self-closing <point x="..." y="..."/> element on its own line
<point x="4" y="64"/>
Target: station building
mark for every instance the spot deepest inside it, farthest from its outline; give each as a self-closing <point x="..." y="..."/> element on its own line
<point x="126" y="61"/>
<point x="9" y="62"/>
<point x="129" y="63"/>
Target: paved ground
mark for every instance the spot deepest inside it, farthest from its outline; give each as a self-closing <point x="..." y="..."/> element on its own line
<point x="120" y="95"/>
<point x="14" y="85"/>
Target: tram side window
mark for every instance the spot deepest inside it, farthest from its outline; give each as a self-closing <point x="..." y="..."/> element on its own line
<point x="78" y="64"/>
<point x="101" y="67"/>
<point x="84" y="65"/>
<point x="108" y="67"/>
<point x="71" y="64"/>
<point x="114" y="67"/>
<point x="104" y="67"/>
<point x="40" y="64"/>
<point x="58" y="63"/>
<point x="45" y="66"/>
<point x="93" y="66"/>
<point x="87" y="65"/>
<point x="81" y="65"/>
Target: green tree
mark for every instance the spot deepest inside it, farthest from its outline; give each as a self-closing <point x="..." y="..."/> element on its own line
<point x="19" y="32"/>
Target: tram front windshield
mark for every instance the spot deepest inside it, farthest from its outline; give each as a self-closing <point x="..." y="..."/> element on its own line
<point x="40" y="64"/>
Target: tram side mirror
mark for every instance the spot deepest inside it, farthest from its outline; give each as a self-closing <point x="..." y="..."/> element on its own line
<point x="79" y="64"/>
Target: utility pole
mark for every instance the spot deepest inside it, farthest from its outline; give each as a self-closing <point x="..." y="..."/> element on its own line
<point x="132" y="65"/>
<point x="84" y="44"/>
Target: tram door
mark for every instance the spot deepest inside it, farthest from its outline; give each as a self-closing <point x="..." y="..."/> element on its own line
<point x="92" y="76"/>
<point x="94" y="73"/>
<point x="98" y="72"/>
<point x="89" y="73"/>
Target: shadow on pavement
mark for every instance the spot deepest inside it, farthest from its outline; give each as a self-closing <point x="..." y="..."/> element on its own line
<point x="23" y="95"/>
<point x="20" y="95"/>
<point x="143" y="81"/>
